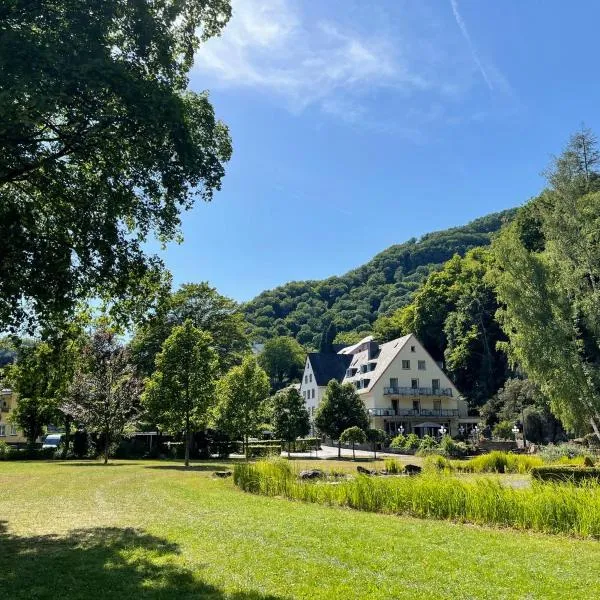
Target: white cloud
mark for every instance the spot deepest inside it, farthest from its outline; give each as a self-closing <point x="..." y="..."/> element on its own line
<point x="271" y="46"/>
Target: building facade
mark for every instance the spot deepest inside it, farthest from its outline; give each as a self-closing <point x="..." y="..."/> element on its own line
<point x="8" y="432"/>
<point x="403" y="389"/>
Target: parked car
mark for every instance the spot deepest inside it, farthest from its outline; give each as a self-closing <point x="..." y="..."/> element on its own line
<point x="52" y="440"/>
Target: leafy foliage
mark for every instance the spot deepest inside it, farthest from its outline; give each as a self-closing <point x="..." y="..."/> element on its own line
<point x="283" y="360"/>
<point x="242" y="394"/>
<point x="207" y="310"/>
<point x="179" y="393"/>
<point x="290" y="417"/>
<point x="550" y="287"/>
<point x="353" y="301"/>
<point x="104" y="395"/>
<point x="100" y="146"/>
<point x="340" y="409"/>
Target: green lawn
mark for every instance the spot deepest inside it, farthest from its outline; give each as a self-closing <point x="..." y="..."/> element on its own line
<point x="154" y="530"/>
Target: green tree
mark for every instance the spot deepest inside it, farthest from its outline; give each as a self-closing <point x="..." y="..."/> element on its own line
<point x="242" y="395"/>
<point x="207" y="310"/>
<point x="290" y="416"/>
<point x="375" y="437"/>
<point x="340" y="409"/>
<point x="283" y="360"/>
<point x="503" y="430"/>
<point x="104" y="394"/>
<point x="353" y="435"/>
<point x="550" y="292"/>
<point x="179" y="393"/>
<point x="101" y="145"/>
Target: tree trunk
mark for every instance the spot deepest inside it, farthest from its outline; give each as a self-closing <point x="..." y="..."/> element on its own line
<point x="353" y="455"/>
<point x="188" y="439"/>
<point x="375" y="451"/>
<point x="339" y="449"/>
<point x="106" y="448"/>
<point x="67" y="436"/>
<point x="595" y="427"/>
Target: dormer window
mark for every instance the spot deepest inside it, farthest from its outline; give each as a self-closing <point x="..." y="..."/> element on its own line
<point x="413" y="348"/>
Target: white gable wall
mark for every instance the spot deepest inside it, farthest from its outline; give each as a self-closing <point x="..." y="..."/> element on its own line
<point x="309" y="390"/>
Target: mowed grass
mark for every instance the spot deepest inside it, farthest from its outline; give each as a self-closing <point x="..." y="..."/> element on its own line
<point x="154" y="530"/>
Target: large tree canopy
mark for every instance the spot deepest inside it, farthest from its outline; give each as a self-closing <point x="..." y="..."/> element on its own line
<point x="207" y="310"/>
<point x="548" y="281"/>
<point x="100" y="145"/>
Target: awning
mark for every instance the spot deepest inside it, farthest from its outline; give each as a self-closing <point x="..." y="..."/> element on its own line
<point x="428" y="425"/>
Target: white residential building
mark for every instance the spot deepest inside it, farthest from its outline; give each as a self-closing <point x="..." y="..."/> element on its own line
<point x="402" y="387"/>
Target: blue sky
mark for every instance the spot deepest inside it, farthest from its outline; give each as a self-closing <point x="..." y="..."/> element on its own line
<point x="357" y="125"/>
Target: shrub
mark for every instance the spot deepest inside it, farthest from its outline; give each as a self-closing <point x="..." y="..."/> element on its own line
<point x="554" y="453"/>
<point x="427" y="442"/>
<point x="393" y="466"/>
<point x="503" y="431"/>
<point x="399" y="441"/>
<point x="498" y="462"/>
<point x="263" y="450"/>
<point x="412" y="441"/>
<point x="566" y="474"/>
<point x="4" y="450"/>
<point x="451" y="448"/>
<point x="303" y="444"/>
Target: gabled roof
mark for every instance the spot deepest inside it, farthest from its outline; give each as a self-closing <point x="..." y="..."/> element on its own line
<point x="387" y="353"/>
<point x="328" y="366"/>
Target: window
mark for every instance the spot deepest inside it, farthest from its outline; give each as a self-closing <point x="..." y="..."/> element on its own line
<point x="406" y="364"/>
<point x="414" y="384"/>
<point x="310" y="377"/>
<point x="13" y="430"/>
<point x="437" y="405"/>
<point x="306" y="379"/>
<point x="413" y="348"/>
<point x="421" y="365"/>
<point x="394" y="382"/>
<point x="304" y="395"/>
<point x="416" y="405"/>
<point x="313" y="393"/>
<point x="2" y="430"/>
<point x="435" y="384"/>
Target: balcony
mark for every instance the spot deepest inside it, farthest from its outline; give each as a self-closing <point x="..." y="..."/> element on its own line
<point x="413" y="412"/>
<point x="4" y="409"/>
<point x="420" y="391"/>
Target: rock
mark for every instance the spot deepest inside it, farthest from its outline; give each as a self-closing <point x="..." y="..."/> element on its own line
<point x="223" y="474"/>
<point x="311" y="474"/>
<point x="412" y="469"/>
<point x="365" y="471"/>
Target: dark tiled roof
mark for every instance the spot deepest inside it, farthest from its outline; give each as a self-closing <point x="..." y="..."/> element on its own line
<point x="329" y="366"/>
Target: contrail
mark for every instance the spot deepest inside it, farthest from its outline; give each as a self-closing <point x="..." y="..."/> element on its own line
<point x="465" y="32"/>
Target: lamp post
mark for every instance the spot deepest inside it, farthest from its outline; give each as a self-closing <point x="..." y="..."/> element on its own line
<point x="401" y="430"/>
<point x="475" y="433"/>
<point x="461" y="431"/>
<point x="442" y="430"/>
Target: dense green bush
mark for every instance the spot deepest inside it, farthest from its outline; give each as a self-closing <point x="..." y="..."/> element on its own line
<point x="553" y="453"/>
<point x="81" y="443"/>
<point x="4" y="450"/>
<point x="398" y="441"/>
<point x="427" y="443"/>
<point x="451" y="448"/>
<point x="545" y="507"/>
<point x="566" y="474"/>
<point x="29" y="453"/>
<point x="263" y="450"/>
<point x="412" y="441"/>
<point x="504" y="430"/>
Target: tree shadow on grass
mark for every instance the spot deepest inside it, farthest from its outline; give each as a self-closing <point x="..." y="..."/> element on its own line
<point x="174" y="467"/>
<point x="107" y="563"/>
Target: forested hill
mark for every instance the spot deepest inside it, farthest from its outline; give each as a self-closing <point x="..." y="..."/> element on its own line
<point x="303" y="308"/>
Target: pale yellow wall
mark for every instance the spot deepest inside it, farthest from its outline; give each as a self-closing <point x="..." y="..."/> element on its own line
<point x="9" y="401"/>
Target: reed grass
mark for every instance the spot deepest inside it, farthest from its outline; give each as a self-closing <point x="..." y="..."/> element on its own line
<point x="544" y="507"/>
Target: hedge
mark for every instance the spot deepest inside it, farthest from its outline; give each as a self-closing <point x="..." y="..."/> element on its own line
<point x="263" y="450"/>
<point x="566" y="474"/>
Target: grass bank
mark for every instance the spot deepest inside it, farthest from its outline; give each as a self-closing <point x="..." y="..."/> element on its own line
<point x="154" y="530"/>
<point x="546" y="508"/>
